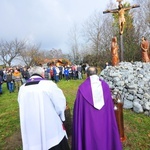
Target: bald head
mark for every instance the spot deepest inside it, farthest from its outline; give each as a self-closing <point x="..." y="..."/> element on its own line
<point x="91" y="71"/>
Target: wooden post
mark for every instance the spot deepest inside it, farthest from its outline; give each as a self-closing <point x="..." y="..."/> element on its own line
<point x="121" y="47"/>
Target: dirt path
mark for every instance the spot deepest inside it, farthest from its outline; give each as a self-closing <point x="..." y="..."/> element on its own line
<point x="15" y="142"/>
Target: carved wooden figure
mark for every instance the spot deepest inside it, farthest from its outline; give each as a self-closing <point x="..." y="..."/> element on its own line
<point x="114" y="52"/>
<point x="145" y="48"/>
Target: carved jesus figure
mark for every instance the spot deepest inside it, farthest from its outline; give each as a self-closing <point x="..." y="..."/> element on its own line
<point x="121" y="13"/>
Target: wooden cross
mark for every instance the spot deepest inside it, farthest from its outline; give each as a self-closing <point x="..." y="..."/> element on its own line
<point x="121" y="13"/>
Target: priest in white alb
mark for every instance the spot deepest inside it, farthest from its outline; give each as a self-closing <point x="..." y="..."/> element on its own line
<point x="42" y="105"/>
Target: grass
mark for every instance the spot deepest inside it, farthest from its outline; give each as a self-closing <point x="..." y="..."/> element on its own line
<point x="9" y="117"/>
<point x="137" y="126"/>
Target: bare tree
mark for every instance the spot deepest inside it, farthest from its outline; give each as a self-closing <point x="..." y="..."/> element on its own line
<point x="31" y="55"/>
<point x="74" y="44"/>
<point x="142" y="18"/>
<point x="11" y="50"/>
<point x="98" y="32"/>
<point x="55" y="53"/>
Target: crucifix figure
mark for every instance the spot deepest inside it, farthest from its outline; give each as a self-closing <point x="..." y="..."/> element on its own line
<point x="121" y="13"/>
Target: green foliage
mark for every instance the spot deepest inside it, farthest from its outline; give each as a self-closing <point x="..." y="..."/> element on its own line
<point x="98" y="60"/>
<point x="89" y="59"/>
<point x="2" y="66"/>
<point x="65" y="62"/>
<point x="136" y="125"/>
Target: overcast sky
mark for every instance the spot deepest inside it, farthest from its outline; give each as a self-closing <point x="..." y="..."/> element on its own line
<point x="45" y="22"/>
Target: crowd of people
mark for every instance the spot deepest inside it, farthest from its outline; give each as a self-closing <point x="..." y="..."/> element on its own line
<point x="16" y="76"/>
<point x="57" y="73"/>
